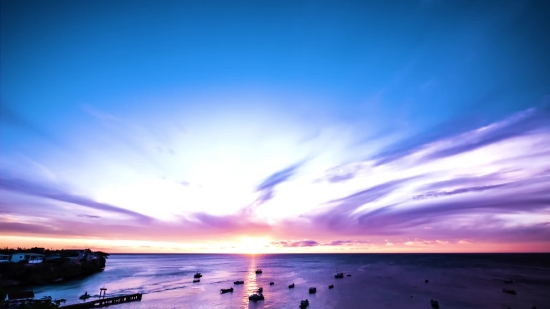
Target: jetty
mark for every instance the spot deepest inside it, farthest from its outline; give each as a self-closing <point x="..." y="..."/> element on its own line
<point x="105" y="302"/>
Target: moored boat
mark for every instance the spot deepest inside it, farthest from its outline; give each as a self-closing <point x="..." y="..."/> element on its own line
<point x="291" y="286"/>
<point x="331" y="286"/>
<point x="339" y="275"/>
<point x="197" y="275"/>
<point x="509" y="291"/>
<point x="226" y="290"/>
<point x="256" y="297"/>
<point x="434" y="303"/>
<point x="304" y="303"/>
<point x="258" y="271"/>
<point x="312" y="290"/>
<point x="85" y="296"/>
<point x="238" y="282"/>
<point x="271" y="283"/>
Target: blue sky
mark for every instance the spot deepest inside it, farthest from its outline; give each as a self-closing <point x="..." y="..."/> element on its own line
<point x="286" y="113"/>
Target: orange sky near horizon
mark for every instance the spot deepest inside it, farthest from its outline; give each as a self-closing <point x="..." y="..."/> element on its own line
<point x="262" y="245"/>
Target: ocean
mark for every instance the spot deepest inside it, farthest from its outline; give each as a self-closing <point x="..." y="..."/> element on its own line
<point x="376" y="281"/>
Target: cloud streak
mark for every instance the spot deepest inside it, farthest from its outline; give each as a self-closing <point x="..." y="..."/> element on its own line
<point x="33" y="189"/>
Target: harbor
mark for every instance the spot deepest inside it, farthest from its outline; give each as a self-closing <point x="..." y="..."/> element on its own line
<point x="105" y="301"/>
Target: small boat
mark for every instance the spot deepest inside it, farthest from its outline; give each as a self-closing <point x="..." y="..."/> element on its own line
<point x="349" y="275"/>
<point x="258" y="271"/>
<point x="304" y="303"/>
<point x="197" y="275"/>
<point x="331" y="286"/>
<point x="426" y="281"/>
<point x="260" y="290"/>
<point x="339" y="275"/>
<point x="238" y="282"/>
<point x="85" y="296"/>
<point x="434" y="303"/>
<point x="256" y="297"/>
<point x="196" y="280"/>
<point x="509" y="291"/>
<point x="271" y="283"/>
<point x="291" y="286"/>
<point x="226" y="290"/>
<point x="508" y="281"/>
<point x="312" y="290"/>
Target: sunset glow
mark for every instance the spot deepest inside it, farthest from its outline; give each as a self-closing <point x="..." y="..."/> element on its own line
<point x="230" y="130"/>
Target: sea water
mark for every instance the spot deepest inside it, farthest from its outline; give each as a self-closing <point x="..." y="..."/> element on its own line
<point x="376" y="281"/>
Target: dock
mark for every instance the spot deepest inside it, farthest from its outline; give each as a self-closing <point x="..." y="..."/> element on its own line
<point x="105" y="302"/>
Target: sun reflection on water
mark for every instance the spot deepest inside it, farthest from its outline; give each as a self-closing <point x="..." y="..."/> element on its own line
<point x="250" y="282"/>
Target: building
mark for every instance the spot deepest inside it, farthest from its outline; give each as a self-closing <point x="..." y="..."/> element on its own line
<point x="55" y="256"/>
<point x="31" y="258"/>
<point x="4" y="258"/>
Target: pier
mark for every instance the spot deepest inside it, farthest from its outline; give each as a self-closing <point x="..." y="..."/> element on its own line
<point x="105" y="302"/>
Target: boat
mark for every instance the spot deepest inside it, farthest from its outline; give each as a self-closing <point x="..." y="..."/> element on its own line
<point x="258" y="271"/>
<point x="426" y="281"/>
<point x="349" y="275"/>
<point x="226" y="290"/>
<point x="260" y="290"/>
<point x="197" y="275"/>
<point x="509" y="291"/>
<point x="508" y="281"/>
<point x="238" y="282"/>
<point x="291" y="286"/>
<point x="256" y="297"/>
<point x="271" y="283"/>
<point x="85" y="296"/>
<point x="331" y="286"/>
<point x="339" y="275"/>
<point x="434" y="303"/>
<point x="312" y="290"/>
<point x="304" y="303"/>
<point x="196" y="280"/>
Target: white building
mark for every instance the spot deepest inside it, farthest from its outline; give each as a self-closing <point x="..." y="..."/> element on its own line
<point x="31" y="258"/>
<point x="4" y="258"/>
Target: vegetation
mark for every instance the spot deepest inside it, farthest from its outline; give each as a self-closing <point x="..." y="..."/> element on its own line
<point x="61" y="265"/>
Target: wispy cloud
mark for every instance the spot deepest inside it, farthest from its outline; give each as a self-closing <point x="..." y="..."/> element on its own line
<point x="25" y="187"/>
<point x="266" y="188"/>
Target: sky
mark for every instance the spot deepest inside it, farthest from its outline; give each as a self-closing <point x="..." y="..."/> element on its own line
<point x="275" y="126"/>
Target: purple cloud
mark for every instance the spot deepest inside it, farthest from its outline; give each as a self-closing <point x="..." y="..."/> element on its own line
<point x="537" y="118"/>
<point x="298" y="243"/>
<point x="89" y="216"/>
<point x="338" y="216"/>
<point x="434" y="194"/>
<point x="401" y="216"/>
<point x="29" y="188"/>
<point x="519" y="124"/>
<point x="267" y="186"/>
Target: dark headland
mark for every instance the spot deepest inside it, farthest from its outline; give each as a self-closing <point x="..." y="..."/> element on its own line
<point x="37" y="266"/>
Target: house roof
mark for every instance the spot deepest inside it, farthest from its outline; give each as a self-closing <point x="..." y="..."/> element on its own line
<point x="20" y="295"/>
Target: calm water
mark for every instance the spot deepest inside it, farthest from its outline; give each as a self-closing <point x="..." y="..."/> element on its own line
<point x="377" y="281"/>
